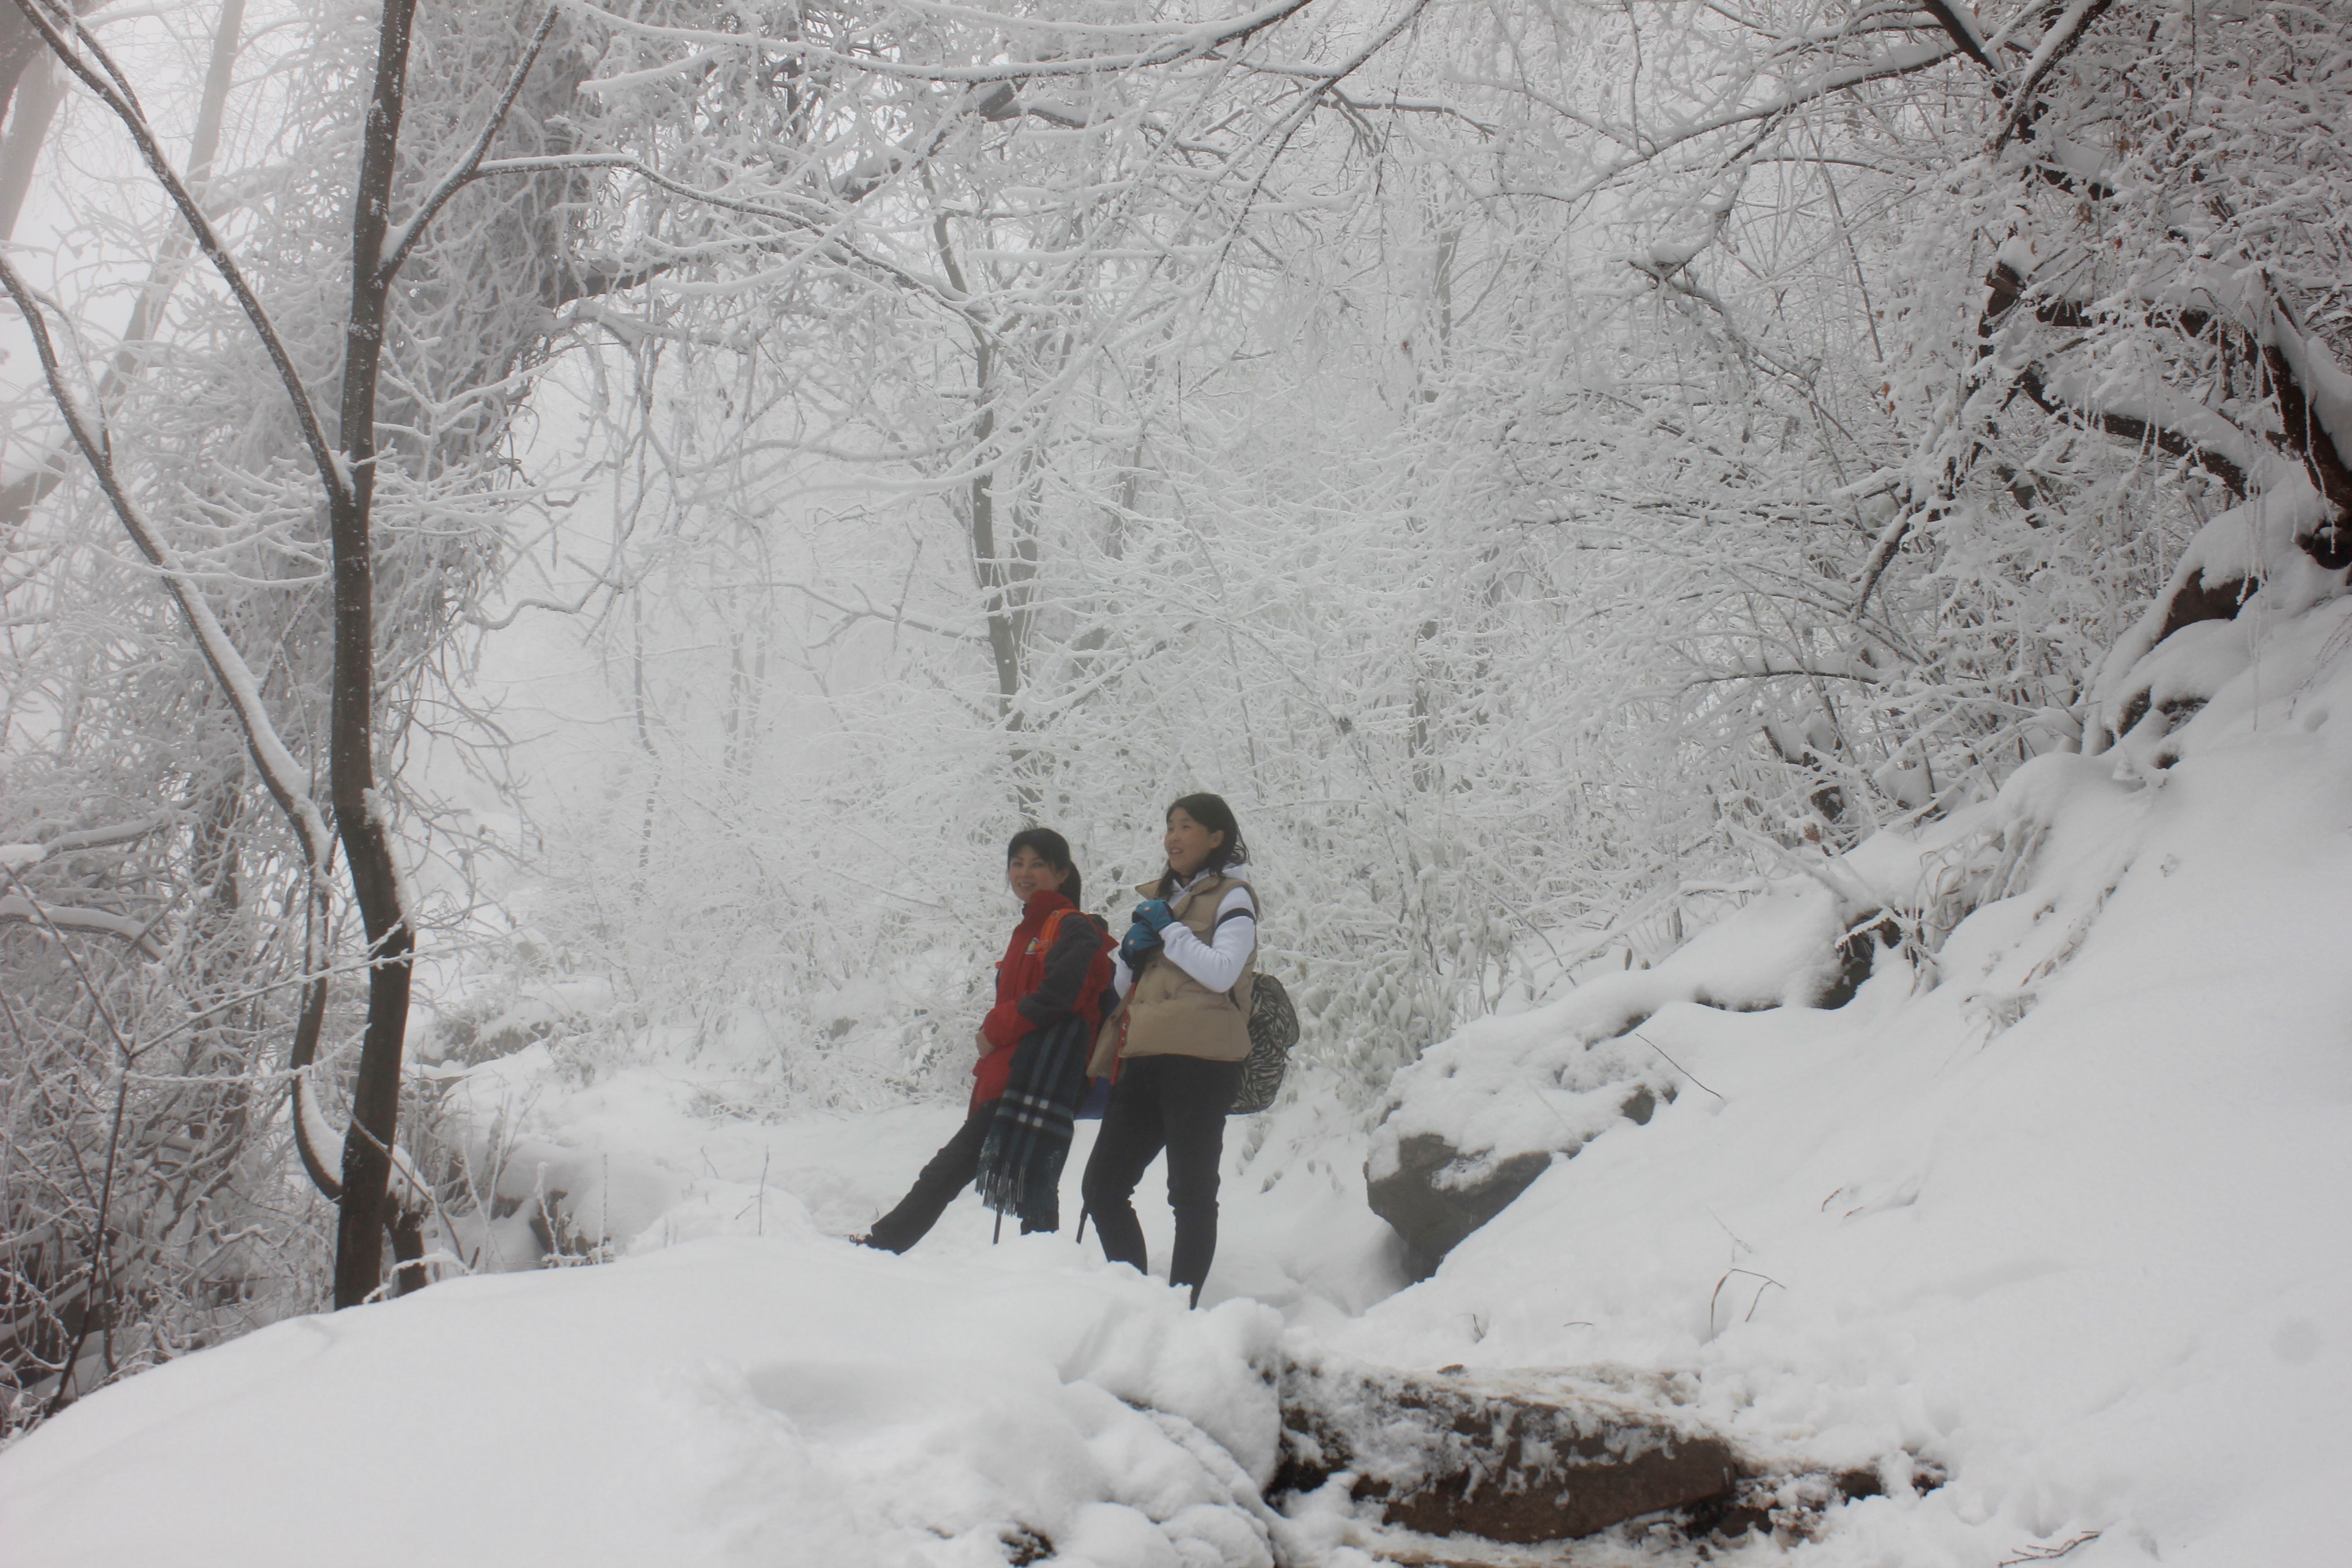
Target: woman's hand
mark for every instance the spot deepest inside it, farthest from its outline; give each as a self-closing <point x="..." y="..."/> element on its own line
<point x="1141" y="942"/>
<point x="981" y="1039"/>
<point x="1155" y="913"/>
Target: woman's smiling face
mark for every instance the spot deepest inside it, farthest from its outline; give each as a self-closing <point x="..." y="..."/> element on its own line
<point x="1189" y="845"/>
<point x="1028" y="873"/>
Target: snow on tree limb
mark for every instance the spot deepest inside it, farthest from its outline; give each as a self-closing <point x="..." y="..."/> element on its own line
<point x="117" y="97"/>
<point x="18" y="906"/>
<point x="2061" y="40"/>
<point x="402" y="240"/>
<point x="1958" y="18"/>
<point x="1171" y="45"/>
<point x="282" y="774"/>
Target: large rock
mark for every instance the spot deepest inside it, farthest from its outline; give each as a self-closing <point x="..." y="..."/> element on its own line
<point x="1483" y="1114"/>
<point x="1432" y="1213"/>
<point x="1523" y="1457"/>
<point x="1432" y="1193"/>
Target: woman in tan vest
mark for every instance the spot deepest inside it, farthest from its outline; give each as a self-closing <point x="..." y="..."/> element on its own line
<point x="1176" y="1043"/>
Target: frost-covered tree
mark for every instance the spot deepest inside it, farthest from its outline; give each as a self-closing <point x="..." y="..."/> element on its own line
<point x="235" y="601"/>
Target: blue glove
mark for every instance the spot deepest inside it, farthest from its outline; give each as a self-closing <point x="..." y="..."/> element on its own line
<point x="1155" y="913"/>
<point x="1139" y="943"/>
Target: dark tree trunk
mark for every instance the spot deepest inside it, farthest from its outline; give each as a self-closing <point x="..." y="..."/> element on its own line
<point x="359" y="814"/>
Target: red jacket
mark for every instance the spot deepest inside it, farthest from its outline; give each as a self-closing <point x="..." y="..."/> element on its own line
<point x="1036" y="986"/>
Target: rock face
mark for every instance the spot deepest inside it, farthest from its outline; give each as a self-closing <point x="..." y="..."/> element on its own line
<point x="1527" y="1457"/>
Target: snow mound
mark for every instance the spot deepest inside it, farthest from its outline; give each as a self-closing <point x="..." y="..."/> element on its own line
<point x="729" y="1400"/>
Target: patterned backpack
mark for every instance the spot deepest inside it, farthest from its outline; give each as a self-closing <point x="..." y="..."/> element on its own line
<point x="1273" y="1030"/>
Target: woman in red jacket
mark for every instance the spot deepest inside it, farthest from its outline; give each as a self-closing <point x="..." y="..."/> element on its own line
<point x="1033" y="1052"/>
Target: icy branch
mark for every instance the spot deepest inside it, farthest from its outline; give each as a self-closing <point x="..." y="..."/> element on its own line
<point x="1183" y="43"/>
<point x="280" y="773"/>
<point x="63" y="917"/>
<point x="117" y="97"/>
<point x="98" y="837"/>
<point x="402" y="240"/>
<point x="2056" y="44"/>
<point x="1821" y="84"/>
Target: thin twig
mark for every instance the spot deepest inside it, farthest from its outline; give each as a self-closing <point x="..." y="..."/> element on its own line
<point x="2049" y="1554"/>
<point x="1636" y="1033"/>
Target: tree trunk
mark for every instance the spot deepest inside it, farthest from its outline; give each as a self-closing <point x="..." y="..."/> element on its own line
<point x="39" y="93"/>
<point x="359" y="815"/>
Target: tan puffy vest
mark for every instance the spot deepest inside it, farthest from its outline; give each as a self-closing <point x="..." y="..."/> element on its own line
<point x="1169" y="1012"/>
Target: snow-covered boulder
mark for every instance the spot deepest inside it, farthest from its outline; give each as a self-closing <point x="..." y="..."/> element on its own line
<point x="2252" y="568"/>
<point x="1484" y="1113"/>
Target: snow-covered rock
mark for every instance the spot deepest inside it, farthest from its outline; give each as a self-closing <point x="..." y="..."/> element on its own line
<point x="1485" y="1112"/>
<point x="1528" y="1457"/>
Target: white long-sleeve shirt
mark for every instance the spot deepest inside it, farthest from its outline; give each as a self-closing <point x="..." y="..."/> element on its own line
<point x="1217" y="963"/>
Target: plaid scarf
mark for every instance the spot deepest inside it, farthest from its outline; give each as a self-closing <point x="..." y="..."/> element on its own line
<point x="1020" y="1163"/>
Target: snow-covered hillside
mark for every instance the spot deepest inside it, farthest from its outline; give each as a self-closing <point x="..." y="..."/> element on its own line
<point x="2045" y="1226"/>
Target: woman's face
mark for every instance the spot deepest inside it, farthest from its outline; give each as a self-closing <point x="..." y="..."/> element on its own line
<point x="1028" y="873"/>
<point x="1188" y="844"/>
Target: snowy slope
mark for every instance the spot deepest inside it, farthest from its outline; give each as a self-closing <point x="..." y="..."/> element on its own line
<point x="2070" y="1223"/>
<point x="745" y="1386"/>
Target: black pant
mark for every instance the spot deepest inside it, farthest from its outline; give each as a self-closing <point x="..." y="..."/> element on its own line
<point x="1178" y="1104"/>
<point x="950" y="1171"/>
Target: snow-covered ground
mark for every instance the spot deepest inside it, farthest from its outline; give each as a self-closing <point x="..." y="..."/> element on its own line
<point x="2058" y="1216"/>
<point x="745" y="1386"/>
<point x="778" y="1399"/>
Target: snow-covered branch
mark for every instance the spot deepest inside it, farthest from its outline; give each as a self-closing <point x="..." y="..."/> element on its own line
<point x="1168" y="46"/>
<point x="402" y="240"/>
<point x="282" y="774"/>
<point x="109" y="84"/>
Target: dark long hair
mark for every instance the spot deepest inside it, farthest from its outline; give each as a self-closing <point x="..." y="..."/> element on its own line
<point x="1211" y="812"/>
<point x="1055" y="850"/>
